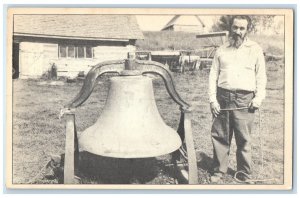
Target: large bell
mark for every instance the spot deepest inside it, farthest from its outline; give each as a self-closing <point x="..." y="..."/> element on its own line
<point x="130" y="125"/>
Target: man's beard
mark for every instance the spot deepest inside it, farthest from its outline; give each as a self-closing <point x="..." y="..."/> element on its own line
<point x="236" y="40"/>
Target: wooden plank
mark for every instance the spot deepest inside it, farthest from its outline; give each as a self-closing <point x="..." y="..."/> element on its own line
<point x="192" y="161"/>
<point x="206" y="59"/>
<point x="69" y="170"/>
<point x="212" y="34"/>
<point x="165" y="53"/>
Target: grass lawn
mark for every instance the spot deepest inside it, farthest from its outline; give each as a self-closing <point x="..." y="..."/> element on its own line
<point x="38" y="132"/>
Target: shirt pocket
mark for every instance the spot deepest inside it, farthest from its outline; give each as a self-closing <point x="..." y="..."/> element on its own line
<point x="227" y="60"/>
<point x="249" y="59"/>
<point x="250" y="67"/>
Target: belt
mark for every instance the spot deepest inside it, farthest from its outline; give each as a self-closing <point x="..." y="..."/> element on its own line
<point x="237" y="91"/>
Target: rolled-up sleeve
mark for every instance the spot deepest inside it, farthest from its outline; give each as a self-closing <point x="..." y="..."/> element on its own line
<point x="213" y="78"/>
<point x="261" y="78"/>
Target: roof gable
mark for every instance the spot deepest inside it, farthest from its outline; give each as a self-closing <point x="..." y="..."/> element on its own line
<point x="193" y="20"/>
<point x="83" y="26"/>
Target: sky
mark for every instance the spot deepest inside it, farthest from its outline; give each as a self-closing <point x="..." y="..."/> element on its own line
<point x="157" y="22"/>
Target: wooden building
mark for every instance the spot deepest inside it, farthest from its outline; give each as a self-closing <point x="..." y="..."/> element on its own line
<point x="185" y="23"/>
<point x="73" y="43"/>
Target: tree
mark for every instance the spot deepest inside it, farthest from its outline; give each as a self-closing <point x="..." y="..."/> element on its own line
<point x="223" y="24"/>
<point x="262" y="23"/>
<point x="259" y="22"/>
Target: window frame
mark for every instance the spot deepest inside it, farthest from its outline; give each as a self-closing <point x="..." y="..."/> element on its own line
<point x="75" y="51"/>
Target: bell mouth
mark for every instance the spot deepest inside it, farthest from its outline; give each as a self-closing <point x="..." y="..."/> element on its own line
<point x="130" y="125"/>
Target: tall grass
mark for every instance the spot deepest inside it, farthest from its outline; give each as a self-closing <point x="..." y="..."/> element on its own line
<point x="168" y="40"/>
<point x="271" y="44"/>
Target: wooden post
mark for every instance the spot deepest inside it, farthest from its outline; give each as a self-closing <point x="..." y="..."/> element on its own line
<point x="69" y="170"/>
<point x="192" y="161"/>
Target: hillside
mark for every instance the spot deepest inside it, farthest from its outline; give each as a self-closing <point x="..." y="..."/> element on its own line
<point x="168" y="40"/>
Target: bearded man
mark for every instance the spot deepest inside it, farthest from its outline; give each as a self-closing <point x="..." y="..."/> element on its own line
<point x="237" y="82"/>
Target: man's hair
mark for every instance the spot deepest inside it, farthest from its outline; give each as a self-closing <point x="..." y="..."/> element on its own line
<point x="245" y="17"/>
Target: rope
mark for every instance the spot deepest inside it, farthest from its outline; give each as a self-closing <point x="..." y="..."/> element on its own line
<point x="250" y="181"/>
<point x="232" y="109"/>
<point x="229" y="109"/>
<point x="261" y="151"/>
<point x="41" y="172"/>
<point x="260" y="143"/>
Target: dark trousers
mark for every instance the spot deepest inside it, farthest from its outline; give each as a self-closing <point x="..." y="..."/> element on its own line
<point x="228" y="122"/>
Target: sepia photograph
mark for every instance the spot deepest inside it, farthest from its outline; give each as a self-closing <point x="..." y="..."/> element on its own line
<point x="149" y="98"/>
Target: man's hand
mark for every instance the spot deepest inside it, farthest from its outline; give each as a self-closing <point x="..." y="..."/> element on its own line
<point x="253" y="106"/>
<point x="215" y="108"/>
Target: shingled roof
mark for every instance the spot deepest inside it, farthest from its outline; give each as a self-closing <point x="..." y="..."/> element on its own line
<point x="98" y="27"/>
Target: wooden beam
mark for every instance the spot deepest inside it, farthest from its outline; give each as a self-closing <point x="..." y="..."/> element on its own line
<point x="69" y="170"/>
<point x="212" y="34"/>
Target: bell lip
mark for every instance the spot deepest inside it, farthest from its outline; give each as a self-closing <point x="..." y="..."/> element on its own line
<point x="132" y="155"/>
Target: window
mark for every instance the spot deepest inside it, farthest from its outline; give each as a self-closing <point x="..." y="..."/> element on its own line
<point x="71" y="51"/>
<point x="80" y="52"/>
<point x="63" y="51"/>
<point x="89" y="52"/>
